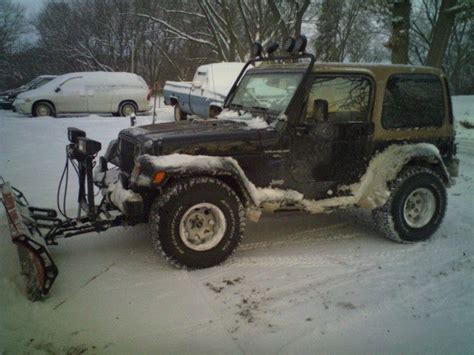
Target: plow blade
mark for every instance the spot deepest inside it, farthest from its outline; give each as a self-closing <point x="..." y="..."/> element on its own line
<point x="37" y="266"/>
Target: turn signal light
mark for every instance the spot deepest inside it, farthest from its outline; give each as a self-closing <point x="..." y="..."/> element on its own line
<point x="159" y="177"/>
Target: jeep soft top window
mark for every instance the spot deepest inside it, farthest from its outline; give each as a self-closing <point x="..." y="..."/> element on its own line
<point x="348" y="97"/>
<point x="413" y="101"/>
<point x="271" y="91"/>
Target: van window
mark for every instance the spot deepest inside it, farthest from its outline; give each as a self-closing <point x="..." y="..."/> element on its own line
<point x="72" y="82"/>
<point x="348" y="97"/>
<point x="413" y="101"/>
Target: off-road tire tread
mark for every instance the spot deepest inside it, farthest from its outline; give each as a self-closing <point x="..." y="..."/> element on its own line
<point x="172" y="192"/>
<point x="382" y="216"/>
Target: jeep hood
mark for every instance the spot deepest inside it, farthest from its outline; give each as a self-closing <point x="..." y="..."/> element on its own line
<point x="210" y="137"/>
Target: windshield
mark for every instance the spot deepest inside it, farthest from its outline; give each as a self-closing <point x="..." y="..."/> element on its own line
<point x="268" y="91"/>
<point x="41" y="82"/>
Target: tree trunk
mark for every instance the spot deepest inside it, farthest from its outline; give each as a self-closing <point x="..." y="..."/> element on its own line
<point x="400" y="31"/>
<point x="441" y="33"/>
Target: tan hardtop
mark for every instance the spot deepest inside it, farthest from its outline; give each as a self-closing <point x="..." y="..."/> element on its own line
<point x="375" y="69"/>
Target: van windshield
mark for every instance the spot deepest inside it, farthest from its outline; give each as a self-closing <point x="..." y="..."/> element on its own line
<point x="267" y="91"/>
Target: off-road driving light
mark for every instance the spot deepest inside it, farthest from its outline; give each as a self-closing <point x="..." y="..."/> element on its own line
<point x="272" y="48"/>
<point x="300" y="44"/>
<point x="159" y="177"/>
<point x="74" y="133"/>
<point x="289" y="45"/>
<point x="257" y="50"/>
<point x="88" y="146"/>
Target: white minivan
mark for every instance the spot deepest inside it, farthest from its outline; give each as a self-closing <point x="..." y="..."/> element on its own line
<point x="121" y="94"/>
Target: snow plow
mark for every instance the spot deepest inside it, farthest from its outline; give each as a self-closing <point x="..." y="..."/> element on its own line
<point x="34" y="229"/>
<point x="24" y="222"/>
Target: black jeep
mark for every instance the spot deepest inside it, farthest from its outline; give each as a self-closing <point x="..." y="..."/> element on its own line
<point x="293" y="133"/>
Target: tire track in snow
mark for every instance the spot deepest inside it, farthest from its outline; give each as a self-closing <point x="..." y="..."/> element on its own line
<point x="313" y="235"/>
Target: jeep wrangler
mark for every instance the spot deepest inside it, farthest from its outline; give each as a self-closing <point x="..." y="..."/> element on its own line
<point x="329" y="136"/>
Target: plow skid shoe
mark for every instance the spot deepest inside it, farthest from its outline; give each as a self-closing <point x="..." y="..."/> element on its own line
<point x="37" y="266"/>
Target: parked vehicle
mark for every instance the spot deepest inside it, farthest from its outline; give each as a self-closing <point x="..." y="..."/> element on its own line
<point x="205" y="95"/>
<point x="7" y="97"/>
<point x="121" y="94"/>
<point x="380" y="137"/>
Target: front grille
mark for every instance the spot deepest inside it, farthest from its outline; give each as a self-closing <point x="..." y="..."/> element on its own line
<point x="127" y="153"/>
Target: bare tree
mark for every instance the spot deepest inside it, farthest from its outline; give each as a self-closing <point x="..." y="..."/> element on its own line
<point x="443" y="28"/>
<point x="400" y="31"/>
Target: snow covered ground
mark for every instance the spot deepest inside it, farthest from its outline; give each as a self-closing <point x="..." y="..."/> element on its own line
<point x="298" y="283"/>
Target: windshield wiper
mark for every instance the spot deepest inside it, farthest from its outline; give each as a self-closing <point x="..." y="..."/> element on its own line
<point x="236" y="106"/>
<point x="259" y="108"/>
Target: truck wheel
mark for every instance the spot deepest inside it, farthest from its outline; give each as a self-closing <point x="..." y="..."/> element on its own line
<point x="43" y="109"/>
<point x="179" y="115"/>
<point x="197" y="223"/>
<point x="416" y="206"/>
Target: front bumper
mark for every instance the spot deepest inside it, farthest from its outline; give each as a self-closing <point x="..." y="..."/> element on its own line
<point x="125" y="200"/>
<point x="22" y="106"/>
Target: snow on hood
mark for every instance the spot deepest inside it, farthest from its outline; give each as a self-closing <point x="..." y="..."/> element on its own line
<point x="246" y="118"/>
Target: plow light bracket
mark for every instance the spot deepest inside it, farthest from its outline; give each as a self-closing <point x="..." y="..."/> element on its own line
<point x="289" y="45"/>
<point x="272" y="48"/>
<point x="74" y="133"/>
<point x="88" y="147"/>
<point x="300" y="45"/>
<point x="257" y="50"/>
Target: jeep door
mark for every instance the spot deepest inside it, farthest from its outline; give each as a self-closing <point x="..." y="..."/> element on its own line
<point x="330" y="143"/>
<point x="71" y="96"/>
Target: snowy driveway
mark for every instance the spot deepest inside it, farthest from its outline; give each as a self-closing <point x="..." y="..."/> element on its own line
<point x="298" y="283"/>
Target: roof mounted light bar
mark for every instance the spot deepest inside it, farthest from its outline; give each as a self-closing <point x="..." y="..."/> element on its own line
<point x="295" y="48"/>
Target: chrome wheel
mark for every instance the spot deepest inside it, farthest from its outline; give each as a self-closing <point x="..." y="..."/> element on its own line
<point x="419" y="207"/>
<point x="43" y="110"/>
<point x="202" y="226"/>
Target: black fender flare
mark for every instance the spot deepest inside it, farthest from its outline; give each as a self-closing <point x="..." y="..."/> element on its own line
<point x="178" y="166"/>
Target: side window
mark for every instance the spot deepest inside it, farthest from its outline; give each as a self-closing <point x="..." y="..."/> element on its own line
<point x="72" y="83"/>
<point x="201" y="76"/>
<point x="348" y="97"/>
<point x="413" y="101"/>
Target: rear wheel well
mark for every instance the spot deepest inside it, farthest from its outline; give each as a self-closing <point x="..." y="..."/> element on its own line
<point x="173" y="101"/>
<point x="430" y="164"/>
<point x="126" y="102"/>
<point x="214" y="111"/>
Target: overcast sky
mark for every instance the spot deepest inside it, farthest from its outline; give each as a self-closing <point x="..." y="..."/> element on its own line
<point x="32" y="6"/>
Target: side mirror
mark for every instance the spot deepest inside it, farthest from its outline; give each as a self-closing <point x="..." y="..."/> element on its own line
<point x="320" y="110"/>
<point x="58" y="89"/>
<point x="197" y="84"/>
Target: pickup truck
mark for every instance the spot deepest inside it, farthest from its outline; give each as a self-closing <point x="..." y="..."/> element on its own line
<point x="204" y="96"/>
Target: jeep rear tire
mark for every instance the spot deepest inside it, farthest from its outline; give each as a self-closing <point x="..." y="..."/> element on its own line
<point x="197" y="222"/>
<point x="416" y="206"/>
<point x="179" y="115"/>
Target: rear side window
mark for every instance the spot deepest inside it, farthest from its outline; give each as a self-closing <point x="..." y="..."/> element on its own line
<point x="413" y="101"/>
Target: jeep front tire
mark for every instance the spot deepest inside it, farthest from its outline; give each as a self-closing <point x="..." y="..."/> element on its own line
<point x="197" y="222"/>
<point x="416" y="206"/>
